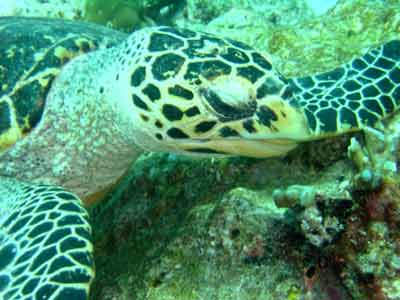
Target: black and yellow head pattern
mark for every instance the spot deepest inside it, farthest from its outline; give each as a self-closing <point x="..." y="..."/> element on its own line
<point x="201" y="93"/>
<point x="197" y="93"/>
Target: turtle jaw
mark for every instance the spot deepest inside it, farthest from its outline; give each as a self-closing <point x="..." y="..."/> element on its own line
<point x="257" y="148"/>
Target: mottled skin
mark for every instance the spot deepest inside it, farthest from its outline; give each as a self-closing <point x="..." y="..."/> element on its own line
<point x="81" y="125"/>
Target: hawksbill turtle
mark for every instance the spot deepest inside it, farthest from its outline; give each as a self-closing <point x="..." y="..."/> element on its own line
<point x="80" y="102"/>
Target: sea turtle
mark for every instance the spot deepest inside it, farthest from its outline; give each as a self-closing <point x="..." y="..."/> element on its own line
<point x="70" y="130"/>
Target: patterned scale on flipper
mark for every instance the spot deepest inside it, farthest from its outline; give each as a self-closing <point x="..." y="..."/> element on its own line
<point x="358" y="94"/>
<point x="45" y="243"/>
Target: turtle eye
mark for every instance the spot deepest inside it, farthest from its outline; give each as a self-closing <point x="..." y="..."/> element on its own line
<point x="226" y="107"/>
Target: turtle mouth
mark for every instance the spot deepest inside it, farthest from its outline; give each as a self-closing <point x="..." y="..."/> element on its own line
<point x="258" y="148"/>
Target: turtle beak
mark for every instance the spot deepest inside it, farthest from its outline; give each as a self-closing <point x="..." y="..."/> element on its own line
<point x="261" y="148"/>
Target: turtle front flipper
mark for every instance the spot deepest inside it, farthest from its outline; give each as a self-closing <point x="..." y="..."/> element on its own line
<point x="356" y="95"/>
<point x="45" y="247"/>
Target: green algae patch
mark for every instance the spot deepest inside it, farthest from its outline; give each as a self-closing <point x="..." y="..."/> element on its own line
<point x="346" y="31"/>
<point x="129" y="15"/>
<point x="123" y="15"/>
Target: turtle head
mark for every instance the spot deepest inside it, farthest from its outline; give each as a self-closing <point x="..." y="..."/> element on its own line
<point x="196" y="93"/>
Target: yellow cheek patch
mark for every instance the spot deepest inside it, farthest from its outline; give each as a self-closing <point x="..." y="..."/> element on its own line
<point x="10" y="132"/>
<point x="9" y="138"/>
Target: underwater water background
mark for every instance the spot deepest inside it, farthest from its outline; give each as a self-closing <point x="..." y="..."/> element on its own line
<point x="182" y="228"/>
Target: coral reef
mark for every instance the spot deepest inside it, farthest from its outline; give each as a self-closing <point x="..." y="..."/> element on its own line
<point x="322" y="223"/>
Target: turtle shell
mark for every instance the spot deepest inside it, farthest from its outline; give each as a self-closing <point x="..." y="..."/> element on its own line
<point x="32" y="52"/>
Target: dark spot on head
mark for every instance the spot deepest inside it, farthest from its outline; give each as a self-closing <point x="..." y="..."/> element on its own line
<point x="249" y="126"/>
<point x="287" y="93"/>
<point x="270" y="86"/>
<point x="158" y="124"/>
<point x="139" y="102"/>
<point x="205" y="126"/>
<point x="236" y="56"/>
<point x="250" y="73"/>
<point x="152" y="92"/>
<point x="239" y="45"/>
<point x="162" y="42"/>
<point x="193" y="111"/>
<point x="144" y="117"/>
<point x="171" y="112"/>
<point x="138" y="76"/>
<point x="266" y="115"/>
<point x="261" y="61"/>
<point x="176" y="133"/>
<point x="228" y="132"/>
<point x="209" y="69"/>
<point x="181" y="92"/>
<point x="159" y="136"/>
<point x="196" y="49"/>
<point x="166" y="66"/>
<point x="101" y="90"/>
